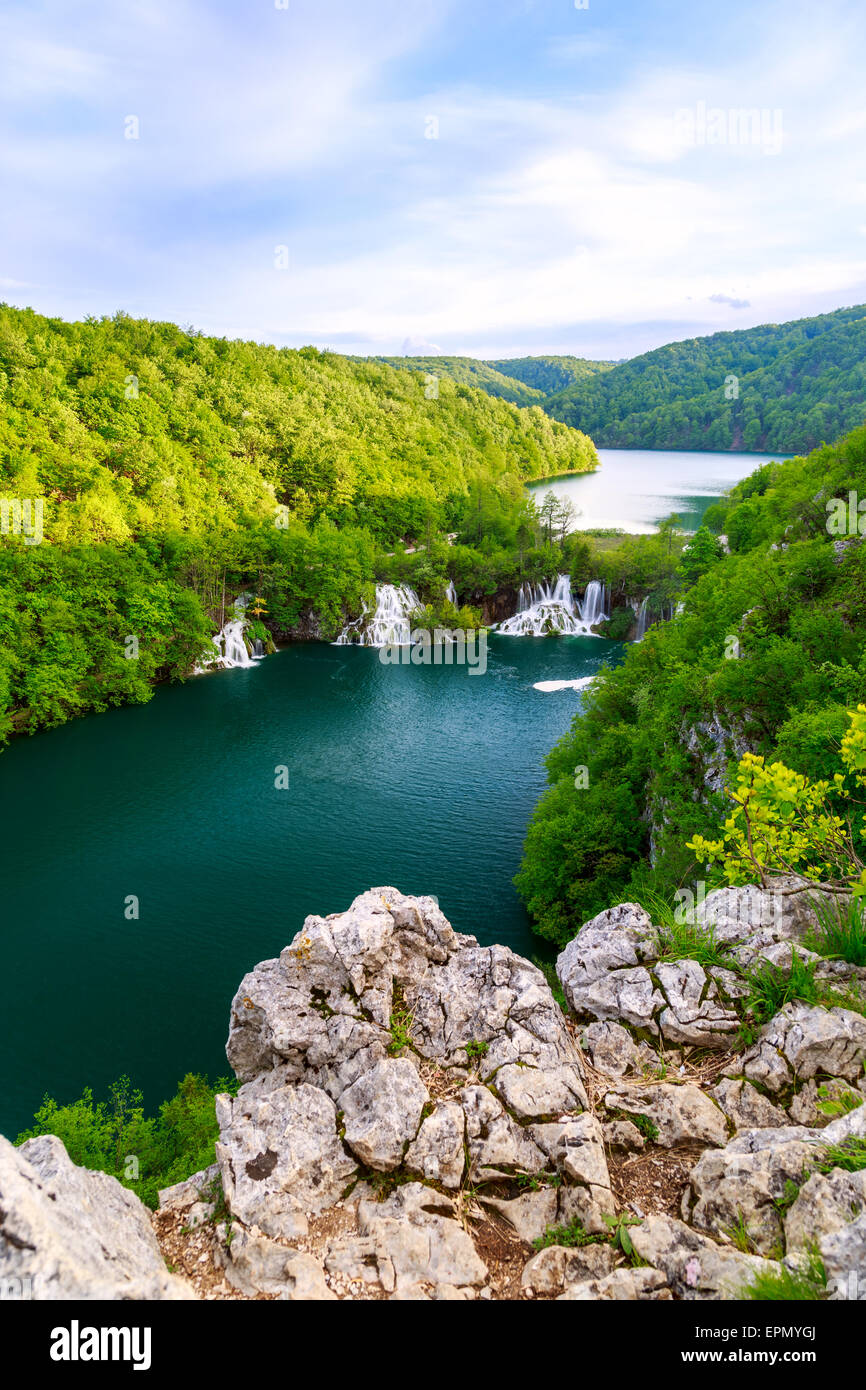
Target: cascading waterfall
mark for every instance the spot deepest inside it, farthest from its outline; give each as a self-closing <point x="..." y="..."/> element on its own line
<point x="642" y="618"/>
<point x="451" y="593"/>
<point x="645" y="618"/>
<point x="389" y="626"/>
<point x="543" y="609"/>
<point x="230" y="650"/>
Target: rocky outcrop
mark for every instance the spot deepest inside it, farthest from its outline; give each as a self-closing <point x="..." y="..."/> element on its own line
<point x="415" y="1111"/>
<point x="802" y="1042"/>
<point x="389" y="1067"/>
<point x="382" y="1043"/>
<point x="611" y="971"/>
<point x="68" y="1233"/>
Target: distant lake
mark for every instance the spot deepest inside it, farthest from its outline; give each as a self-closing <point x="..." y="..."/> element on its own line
<point x="635" y="488"/>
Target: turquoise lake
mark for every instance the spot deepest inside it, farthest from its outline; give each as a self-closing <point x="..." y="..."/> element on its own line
<point x="420" y="777"/>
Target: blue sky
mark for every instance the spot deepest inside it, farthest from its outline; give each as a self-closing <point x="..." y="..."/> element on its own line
<point x="571" y="200"/>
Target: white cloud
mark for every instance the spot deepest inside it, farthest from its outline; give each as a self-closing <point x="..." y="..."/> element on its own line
<point x="529" y="211"/>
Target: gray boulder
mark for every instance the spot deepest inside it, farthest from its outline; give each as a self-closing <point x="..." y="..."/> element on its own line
<point x="69" y="1233"/>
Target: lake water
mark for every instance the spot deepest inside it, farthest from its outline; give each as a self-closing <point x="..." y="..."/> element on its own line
<point x="635" y="488"/>
<point x="420" y="777"/>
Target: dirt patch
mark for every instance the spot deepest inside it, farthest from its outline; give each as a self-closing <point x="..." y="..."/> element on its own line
<point x="652" y="1183"/>
<point x="192" y="1253"/>
<point x="503" y="1252"/>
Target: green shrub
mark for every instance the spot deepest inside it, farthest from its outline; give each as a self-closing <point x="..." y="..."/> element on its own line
<point x="143" y="1153"/>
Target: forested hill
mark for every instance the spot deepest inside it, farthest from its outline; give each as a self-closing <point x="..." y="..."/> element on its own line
<point x="148" y="474"/>
<point x="779" y="387"/>
<point x="766" y="656"/>
<point x="128" y="427"/>
<point x="549" y="374"/>
<point x="786" y="387"/>
<point x="523" y="380"/>
<point x="466" y="371"/>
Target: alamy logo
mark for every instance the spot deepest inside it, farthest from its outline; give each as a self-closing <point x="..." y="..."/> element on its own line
<point x="735" y="125"/>
<point x="22" y="516"/>
<point x="444" y="647"/>
<point x="846" y="517"/>
<point x="76" y="1343"/>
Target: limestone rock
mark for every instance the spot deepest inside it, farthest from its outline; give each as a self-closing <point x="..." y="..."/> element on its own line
<point x="695" y="1016"/>
<point x="826" y="1204"/>
<point x="601" y="970"/>
<point x="532" y="1094"/>
<point x="576" y="1147"/>
<point x="588" y="1205"/>
<point x="415" y="1232"/>
<point x="186" y="1194"/>
<point x="280" y="1155"/>
<point x="743" y="1182"/>
<point x="737" y="915"/>
<point x="622" y="1134"/>
<point x="612" y="1049"/>
<point x="694" y="1266"/>
<point x="256" y="1264"/>
<point x="746" y="1107"/>
<point x="382" y="1112"/>
<point x="530" y="1214"/>
<point x="495" y="1143"/>
<point x="844" y="1257"/>
<point x="622" y="1285"/>
<point x="679" y="1112"/>
<point x="69" y="1233"/>
<point x="437" y="1152"/>
<point x="488" y="995"/>
<point x="552" y="1269"/>
<point x="805" y="1040"/>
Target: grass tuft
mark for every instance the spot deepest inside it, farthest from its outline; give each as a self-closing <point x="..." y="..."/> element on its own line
<point x="840" y="933"/>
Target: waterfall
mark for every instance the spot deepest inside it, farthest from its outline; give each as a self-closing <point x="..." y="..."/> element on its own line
<point x="543" y="609"/>
<point x="390" y="624"/>
<point x="230" y="650"/>
<point x="592" y="608"/>
<point x="451" y="593"/>
<point x="644" y="618"/>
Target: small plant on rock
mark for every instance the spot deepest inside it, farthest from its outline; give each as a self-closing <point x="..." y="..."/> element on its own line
<point x="620" y="1238"/>
<point x="645" y="1126"/>
<point x="840" y="933"/>
<point x="771" y="987"/>
<point x="807" y="1283"/>
<point x="840" y="1103"/>
<point x="789" y="1196"/>
<point x="850" y="1155"/>
<point x="572" y="1235"/>
<point x="739" y="1235"/>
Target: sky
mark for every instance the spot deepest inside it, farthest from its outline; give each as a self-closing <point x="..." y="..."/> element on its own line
<point x="486" y="177"/>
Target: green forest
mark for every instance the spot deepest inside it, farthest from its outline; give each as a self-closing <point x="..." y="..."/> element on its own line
<point x="523" y="380"/>
<point x="776" y="388"/>
<point x="175" y="470"/>
<point x="765" y="658"/>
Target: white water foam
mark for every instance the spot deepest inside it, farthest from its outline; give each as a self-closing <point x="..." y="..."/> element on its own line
<point x="230" y="650"/>
<point x="543" y="610"/>
<point x="389" y="625"/>
<point x="548" y="686"/>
